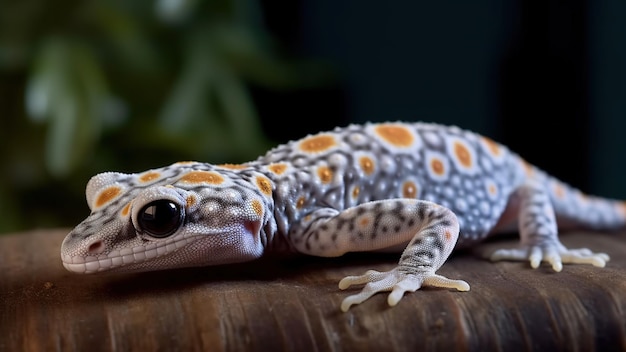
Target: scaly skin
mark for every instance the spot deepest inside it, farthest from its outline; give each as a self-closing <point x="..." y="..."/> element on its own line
<point x="418" y="188"/>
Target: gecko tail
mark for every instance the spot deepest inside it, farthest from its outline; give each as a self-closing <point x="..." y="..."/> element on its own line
<point x="576" y="210"/>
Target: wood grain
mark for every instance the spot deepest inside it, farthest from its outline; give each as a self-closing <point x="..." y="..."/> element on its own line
<point x="293" y="305"/>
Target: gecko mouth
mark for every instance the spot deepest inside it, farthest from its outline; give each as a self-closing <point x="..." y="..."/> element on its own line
<point x="125" y="257"/>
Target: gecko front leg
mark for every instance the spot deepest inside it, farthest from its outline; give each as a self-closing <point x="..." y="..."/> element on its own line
<point x="430" y="230"/>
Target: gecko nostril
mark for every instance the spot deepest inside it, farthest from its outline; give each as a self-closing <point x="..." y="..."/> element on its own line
<point x="96" y="248"/>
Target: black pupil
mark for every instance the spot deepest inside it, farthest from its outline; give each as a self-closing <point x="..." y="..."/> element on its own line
<point x="160" y="218"/>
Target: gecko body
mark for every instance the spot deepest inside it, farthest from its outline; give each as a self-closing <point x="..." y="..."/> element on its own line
<point x="417" y="188"/>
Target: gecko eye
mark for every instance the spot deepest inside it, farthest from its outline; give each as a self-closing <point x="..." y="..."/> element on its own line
<point x="160" y="218"/>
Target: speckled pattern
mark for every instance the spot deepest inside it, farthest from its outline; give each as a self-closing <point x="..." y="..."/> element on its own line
<point x="420" y="189"/>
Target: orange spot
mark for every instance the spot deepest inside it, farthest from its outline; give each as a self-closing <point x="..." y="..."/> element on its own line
<point x="317" y="143"/>
<point x="307" y="218"/>
<point x="364" y="221"/>
<point x="257" y="207"/>
<point x="437" y="166"/>
<point x="559" y="191"/>
<point x="492" y="189"/>
<point x="203" y="176"/>
<point x="355" y="191"/>
<point x="107" y="195"/>
<point x="186" y="163"/>
<point x="191" y="200"/>
<point x="367" y="165"/>
<point x="448" y="236"/>
<point x="126" y="210"/>
<point x="232" y="166"/>
<point x="409" y="190"/>
<point x="528" y="169"/>
<point x="264" y="185"/>
<point x="396" y="135"/>
<point x="278" y="169"/>
<point x="493" y="147"/>
<point x="463" y="154"/>
<point x="622" y="208"/>
<point x="300" y="202"/>
<point x="325" y="174"/>
<point x="149" y="176"/>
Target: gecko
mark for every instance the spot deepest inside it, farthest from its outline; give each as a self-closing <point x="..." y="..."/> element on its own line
<point x="419" y="189"/>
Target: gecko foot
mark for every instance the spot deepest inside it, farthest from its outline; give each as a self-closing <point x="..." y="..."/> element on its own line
<point x="554" y="254"/>
<point x="398" y="281"/>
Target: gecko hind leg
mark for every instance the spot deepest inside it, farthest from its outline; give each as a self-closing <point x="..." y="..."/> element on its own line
<point x="539" y="235"/>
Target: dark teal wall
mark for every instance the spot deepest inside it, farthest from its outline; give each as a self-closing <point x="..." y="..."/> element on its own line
<point x="608" y="97"/>
<point x="547" y="78"/>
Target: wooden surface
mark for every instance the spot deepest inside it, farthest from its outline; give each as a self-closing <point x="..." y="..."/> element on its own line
<point x="294" y="305"/>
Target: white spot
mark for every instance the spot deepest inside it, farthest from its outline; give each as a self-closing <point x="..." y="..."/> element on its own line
<point x="381" y="187"/>
<point x="461" y="204"/>
<point x="300" y="162"/>
<point x="455" y="180"/>
<point x="331" y="198"/>
<point x="337" y="160"/>
<point x="388" y="165"/>
<point x="484" y="208"/>
<point x="357" y="139"/>
<point x="211" y="207"/>
<point x="432" y="138"/>
<point x="486" y="164"/>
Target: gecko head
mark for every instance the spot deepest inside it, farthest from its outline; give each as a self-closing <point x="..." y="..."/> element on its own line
<point x="178" y="216"/>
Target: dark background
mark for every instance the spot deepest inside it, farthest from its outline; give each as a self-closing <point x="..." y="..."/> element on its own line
<point x="546" y="78"/>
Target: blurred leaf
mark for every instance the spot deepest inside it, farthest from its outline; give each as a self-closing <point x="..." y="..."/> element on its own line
<point x="188" y="99"/>
<point x="255" y="57"/>
<point x="126" y="36"/>
<point x="175" y="11"/>
<point x="69" y="90"/>
<point x="239" y="111"/>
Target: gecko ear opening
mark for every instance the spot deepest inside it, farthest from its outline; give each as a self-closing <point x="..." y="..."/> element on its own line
<point x="253" y="227"/>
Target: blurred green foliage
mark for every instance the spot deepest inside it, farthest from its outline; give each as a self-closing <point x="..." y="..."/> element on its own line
<point x="91" y="86"/>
